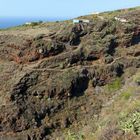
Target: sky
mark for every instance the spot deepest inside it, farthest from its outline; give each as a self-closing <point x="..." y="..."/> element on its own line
<point x="60" y="8"/>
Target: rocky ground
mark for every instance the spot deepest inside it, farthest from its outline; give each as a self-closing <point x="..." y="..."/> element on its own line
<point x="60" y="81"/>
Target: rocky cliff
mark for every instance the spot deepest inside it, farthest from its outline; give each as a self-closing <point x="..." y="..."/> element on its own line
<point x="71" y="81"/>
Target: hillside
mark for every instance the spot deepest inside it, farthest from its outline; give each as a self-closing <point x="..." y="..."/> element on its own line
<point x="65" y="81"/>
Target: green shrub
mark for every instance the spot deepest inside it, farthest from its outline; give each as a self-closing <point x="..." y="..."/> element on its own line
<point x="131" y="123"/>
<point x="126" y="95"/>
<point x="34" y="23"/>
<point x="73" y="136"/>
<point x="115" y="85"/>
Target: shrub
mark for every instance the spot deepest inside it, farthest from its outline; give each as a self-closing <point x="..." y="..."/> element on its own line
<point x="34" y="23"/>
<point x="73" y="136"/>
<point x="131" y="123"/>
<point x="115" y="85"/>
<point x="126" y="95"/>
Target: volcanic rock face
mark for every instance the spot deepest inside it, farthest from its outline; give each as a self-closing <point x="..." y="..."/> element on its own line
<point x="57" y="81"/>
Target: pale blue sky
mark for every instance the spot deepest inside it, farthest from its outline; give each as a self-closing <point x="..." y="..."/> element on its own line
<point x="60" y="8"/>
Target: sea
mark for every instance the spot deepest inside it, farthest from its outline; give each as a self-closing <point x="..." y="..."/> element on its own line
<point x="7" y="22"/>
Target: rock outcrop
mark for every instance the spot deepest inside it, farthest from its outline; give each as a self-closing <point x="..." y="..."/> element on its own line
<point x="55" y="82"/>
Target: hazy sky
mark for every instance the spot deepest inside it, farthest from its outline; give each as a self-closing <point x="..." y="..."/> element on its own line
<point x="60" y="8"/>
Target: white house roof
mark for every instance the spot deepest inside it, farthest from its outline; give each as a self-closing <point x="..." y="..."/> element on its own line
<point x="96" y="13"/>
<point x="121" y="19"/>
<point x="80" y="20"/>
<point x="28" y="23"/>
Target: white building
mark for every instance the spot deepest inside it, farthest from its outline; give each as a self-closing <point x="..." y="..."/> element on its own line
<point x="85" y="21"/>
<point x="28" y="23"/>
<point x="121" y="19"/>
<point x="75" y="21"/>
<point x="95" y="13"/>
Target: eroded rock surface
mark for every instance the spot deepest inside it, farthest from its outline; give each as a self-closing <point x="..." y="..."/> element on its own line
<point x="55" y="81"/>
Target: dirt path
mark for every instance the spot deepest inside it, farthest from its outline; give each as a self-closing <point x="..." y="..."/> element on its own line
<point x="32" y="67"/>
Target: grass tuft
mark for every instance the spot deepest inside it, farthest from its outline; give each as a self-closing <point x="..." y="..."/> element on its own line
<point x="74" y="136"/>
<point x="115" y="85"/>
